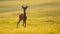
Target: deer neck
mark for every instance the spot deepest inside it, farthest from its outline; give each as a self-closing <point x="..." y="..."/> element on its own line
<point x="24" y="13"/>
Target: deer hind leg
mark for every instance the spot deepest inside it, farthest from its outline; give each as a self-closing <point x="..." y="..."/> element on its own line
<point x="18" y="22"/>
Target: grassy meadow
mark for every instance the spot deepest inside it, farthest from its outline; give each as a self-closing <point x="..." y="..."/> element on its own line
<point x="43" y="17"/>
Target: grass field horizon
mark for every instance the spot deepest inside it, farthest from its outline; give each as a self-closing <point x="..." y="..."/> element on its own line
<point x="43" y="17"/>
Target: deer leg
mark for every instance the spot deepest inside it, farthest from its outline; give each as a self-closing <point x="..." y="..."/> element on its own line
<point x="18" y="22"/>
<point x="24" y="23"/>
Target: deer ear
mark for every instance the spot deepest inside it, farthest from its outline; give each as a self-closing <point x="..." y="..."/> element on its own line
<point x="26" y="6"/>
<point x="23" y="6"/>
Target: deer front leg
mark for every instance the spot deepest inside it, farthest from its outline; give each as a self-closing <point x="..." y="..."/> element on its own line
<point x="24" y="23"/>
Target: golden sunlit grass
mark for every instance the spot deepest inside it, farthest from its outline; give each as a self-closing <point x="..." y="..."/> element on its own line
<point x="45" y="20"/>
<point x="34" y="26"/>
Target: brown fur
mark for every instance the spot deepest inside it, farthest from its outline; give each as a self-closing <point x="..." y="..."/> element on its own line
<point x="23" y="17"/>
